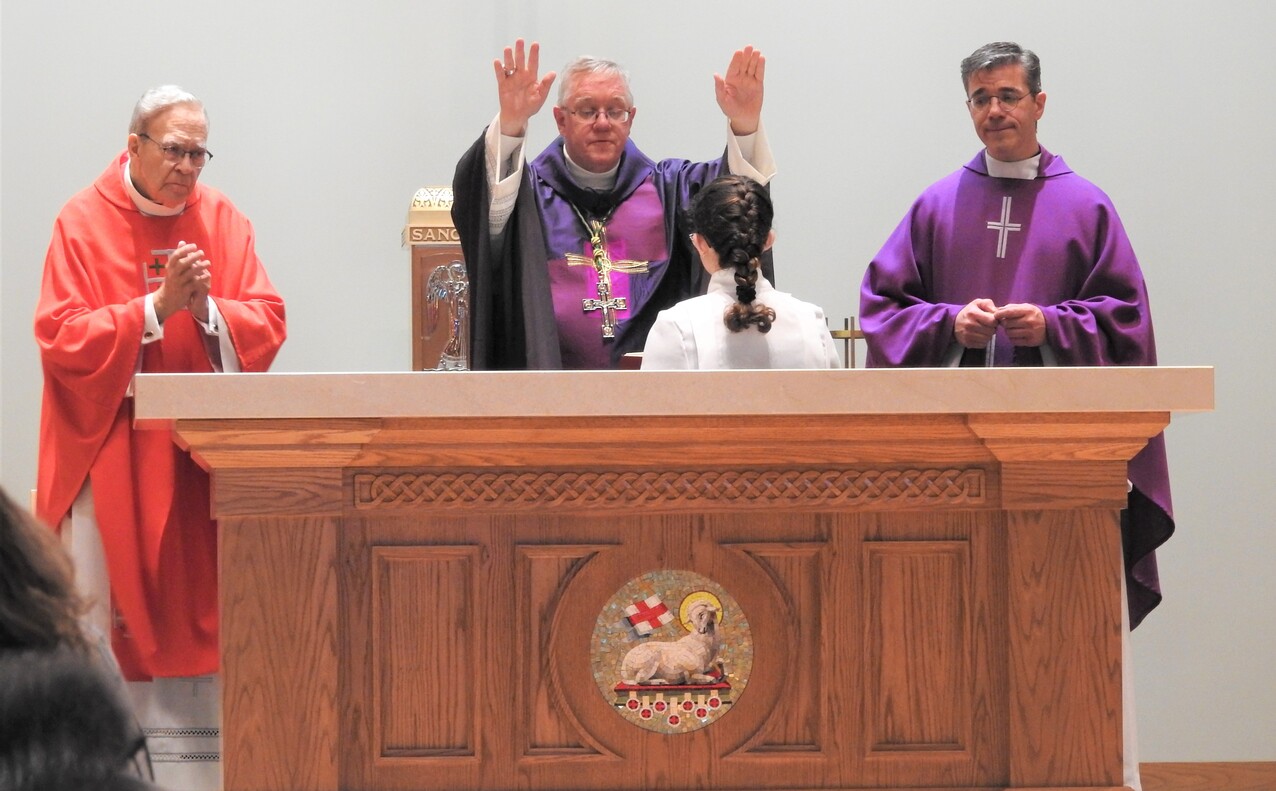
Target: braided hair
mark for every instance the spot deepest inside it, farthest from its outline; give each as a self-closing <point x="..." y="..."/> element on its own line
<point x="733" y="214"/>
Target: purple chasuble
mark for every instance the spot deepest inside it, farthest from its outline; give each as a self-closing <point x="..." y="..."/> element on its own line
<point x="1056" y="242"/>
<point x="515" y="310"/>
<point x="635" y="231"/>
<point x="637" y="215"/>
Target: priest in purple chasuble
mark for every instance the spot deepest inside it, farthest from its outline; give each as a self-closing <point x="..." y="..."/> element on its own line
<point x="570" y="256"/>
<point x="1016" y="256"/>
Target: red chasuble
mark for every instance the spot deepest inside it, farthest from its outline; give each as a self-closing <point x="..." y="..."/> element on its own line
<point x="152" y="501"/>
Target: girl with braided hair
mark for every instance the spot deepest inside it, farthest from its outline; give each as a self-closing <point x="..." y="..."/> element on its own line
<point x="742" y="321"/>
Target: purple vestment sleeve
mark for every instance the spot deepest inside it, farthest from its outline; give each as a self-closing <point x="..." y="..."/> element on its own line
<point x="910" y="326"/>
<point x="1056" y="242"/>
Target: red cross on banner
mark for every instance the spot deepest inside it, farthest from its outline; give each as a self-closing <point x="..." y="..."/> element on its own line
<point x="648" y="615"/>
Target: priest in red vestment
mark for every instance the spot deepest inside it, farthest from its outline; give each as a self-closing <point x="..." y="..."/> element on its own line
<point x="148" y="271"/>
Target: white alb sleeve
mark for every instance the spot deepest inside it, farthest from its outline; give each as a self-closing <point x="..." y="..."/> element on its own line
<point x="750" y="155"/>
<point x="504" y="162"/>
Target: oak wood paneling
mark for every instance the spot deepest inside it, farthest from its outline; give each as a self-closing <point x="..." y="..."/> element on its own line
<point x="279" y="645"/>
<point x="543" y="572"/>
<point x="425" y="654"/>
<point x="300" y="492"/>
<point x="933" y="597"/>
<point x="918" y="595"/>
<point x="1065" y="708"/>
<point x="1209" y="776"/>
<point x="796" y="571"/>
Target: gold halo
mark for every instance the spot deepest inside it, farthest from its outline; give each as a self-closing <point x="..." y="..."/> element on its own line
<point x="694" y="598"/>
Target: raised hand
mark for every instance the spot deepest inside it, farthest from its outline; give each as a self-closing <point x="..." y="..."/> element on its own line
<point x="740" y="91"/>
<point x="522" y="93"/>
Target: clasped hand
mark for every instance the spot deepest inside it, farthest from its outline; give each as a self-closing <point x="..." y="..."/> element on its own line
<point x="977" y="322"/>
<point x="187" y="282"/>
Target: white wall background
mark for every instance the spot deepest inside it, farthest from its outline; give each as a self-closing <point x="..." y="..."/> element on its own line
<point x="327" y="116"/>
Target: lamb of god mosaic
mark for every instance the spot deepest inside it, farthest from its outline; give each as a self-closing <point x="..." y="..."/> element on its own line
<point x="671" y="651"/>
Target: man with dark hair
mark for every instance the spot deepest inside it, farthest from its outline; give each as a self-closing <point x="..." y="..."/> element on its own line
<point x="571" y="256"/>
<point x="1016" y="260"/>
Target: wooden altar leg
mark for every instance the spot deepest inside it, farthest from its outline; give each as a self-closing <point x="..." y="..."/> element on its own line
<point x="279" y="654"/>
<point x="1065" y="649"/>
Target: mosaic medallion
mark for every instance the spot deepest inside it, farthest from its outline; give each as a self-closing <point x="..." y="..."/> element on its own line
<point x="671" y="651"/>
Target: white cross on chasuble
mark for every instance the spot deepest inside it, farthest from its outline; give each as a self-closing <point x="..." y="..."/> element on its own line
<point x="1004" y="227"/>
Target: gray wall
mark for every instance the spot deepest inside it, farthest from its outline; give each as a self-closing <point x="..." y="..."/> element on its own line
<point x="326" y="117"/>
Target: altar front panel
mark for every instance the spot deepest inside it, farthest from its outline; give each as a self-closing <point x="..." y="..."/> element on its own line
<point x="875" y="659"/>
<point x="422" y="577"/>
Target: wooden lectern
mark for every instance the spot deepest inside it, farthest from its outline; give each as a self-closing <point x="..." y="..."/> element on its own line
<point x="413" y="568"/>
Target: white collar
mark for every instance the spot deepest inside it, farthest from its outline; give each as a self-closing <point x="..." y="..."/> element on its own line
<point x="589" y="179"/>
<point x="724" y="280"/>
<point x="1023" y="169"/>
<point x="144" y="204"/>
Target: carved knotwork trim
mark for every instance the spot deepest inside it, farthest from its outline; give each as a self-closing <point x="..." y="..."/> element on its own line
<point x="625" y="489"/>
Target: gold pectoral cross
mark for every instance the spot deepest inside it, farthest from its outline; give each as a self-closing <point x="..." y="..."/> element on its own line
<point x="604" y="266"/>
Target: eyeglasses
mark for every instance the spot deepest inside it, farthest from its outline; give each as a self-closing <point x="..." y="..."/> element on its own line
<point x="590" y="114"/>
<point x="1007" y="99"/>
<point x="175" y="154"/>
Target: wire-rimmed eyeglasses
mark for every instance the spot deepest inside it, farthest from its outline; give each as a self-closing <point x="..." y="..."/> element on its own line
<point x="616" y="115"/>
<point x="199" y="156"/>
<point x="1008" y="99"/>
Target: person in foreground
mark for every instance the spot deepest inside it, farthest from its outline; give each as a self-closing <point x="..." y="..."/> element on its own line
<point x="148" y="270"/>
<point x="742" y="322"/>
<point x="570" y="256"/>
<point x="1014" y="259"/>
<point x="64" y="722"/>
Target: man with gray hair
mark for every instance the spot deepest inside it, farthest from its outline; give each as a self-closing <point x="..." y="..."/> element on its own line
<point x="148" y="271"/>
<point x="1014" y="259"/>
<point x="571" y="256"/>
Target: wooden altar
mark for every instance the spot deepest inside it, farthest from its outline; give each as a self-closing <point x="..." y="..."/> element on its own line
<point x="413" y="568"/>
